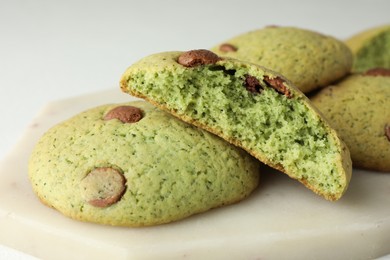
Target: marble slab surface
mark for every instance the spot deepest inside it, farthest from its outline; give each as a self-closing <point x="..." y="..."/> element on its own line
<point x="281" y="219"/>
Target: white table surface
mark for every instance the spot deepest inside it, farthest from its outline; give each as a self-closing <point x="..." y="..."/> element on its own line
<point x="51" y="49"/>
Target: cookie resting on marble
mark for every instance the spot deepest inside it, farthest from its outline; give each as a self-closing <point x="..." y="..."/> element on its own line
<point x="134" y="165"/>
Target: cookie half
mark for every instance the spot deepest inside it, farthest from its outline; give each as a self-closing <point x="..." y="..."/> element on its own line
<point x="249" y="106"/>
<point x="310" y="60"/>
<point x="371" y="48"/>
<point x="135" y="165"/>
<point x="358" y="108"/>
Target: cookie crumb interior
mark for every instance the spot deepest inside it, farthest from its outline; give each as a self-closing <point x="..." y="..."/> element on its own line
<point x="283" y="129"/>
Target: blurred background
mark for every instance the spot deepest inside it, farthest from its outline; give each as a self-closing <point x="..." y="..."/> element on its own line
<point x="51" y="49"/>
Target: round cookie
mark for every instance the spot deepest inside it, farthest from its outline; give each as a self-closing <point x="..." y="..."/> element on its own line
<point x="249" y="106"/>
<point x="308" y="59"/>
<point x="357" y="108"/>
<point x="371" y="48"/>
<point x="135" y="165"/>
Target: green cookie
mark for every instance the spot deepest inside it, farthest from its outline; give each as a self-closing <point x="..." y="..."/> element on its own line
<point x="135" y="165"/>
<point x="308" y="59"/>
<point x="249" y="106"/>
<point x="358" y="108"/>
<point x="371" y="48"/>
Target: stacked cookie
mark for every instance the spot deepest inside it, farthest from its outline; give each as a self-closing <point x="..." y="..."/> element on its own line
<point x="210" y="119"/>
<point x="357" y="106"/>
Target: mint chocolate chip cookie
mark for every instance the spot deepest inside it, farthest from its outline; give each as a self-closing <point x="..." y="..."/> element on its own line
<point x="310" y="60"/>
<point x="371" y="48"/>
<point x="249" y="106"/>
<point x="135" y="165"/>
<point x="358" y="108"/>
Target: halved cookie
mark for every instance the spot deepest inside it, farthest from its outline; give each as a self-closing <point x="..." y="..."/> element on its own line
<point x="249" y="106"/>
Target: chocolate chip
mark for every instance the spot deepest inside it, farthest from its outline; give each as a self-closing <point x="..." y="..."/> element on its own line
<point x="126" y="114"/>
<point x="377" y="72"/>
<point x="103" y="187"/>
<point x="278" y="84"/>
<point x="252" y="84"/>
<point x="387" y="131"/>
<point x="197" y="57"/>
<point x="227" y="47"/>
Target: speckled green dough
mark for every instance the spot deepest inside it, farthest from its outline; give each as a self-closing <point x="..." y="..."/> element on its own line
<point x="371" y="48"/>
<point x="286" y="133"/>
<point x="172" y="169"/>
<point x="308" y="59"/>
<point x="358" y="108"/>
